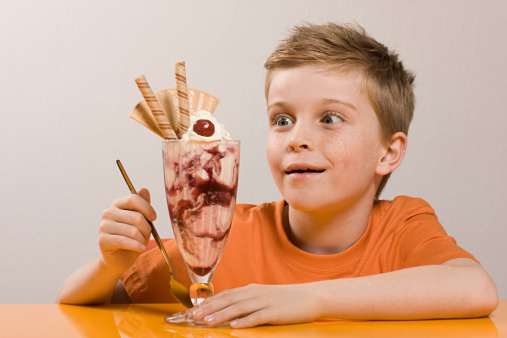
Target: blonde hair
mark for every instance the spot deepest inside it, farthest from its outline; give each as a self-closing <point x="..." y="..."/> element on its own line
<point x="388" y="84"/>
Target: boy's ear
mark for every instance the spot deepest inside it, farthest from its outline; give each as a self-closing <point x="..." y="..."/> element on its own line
<point x="393" y="155"/>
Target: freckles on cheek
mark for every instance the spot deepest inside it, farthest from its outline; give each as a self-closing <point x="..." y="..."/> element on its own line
<point x="342" y="154"/>
<point x="274" y="145"/>
<point x="370" y="154"/>
<point x="353" y="157"/>
<point x="272" y="154"/>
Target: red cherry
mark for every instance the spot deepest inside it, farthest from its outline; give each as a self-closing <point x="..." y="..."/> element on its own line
<point x="204" y="128"/>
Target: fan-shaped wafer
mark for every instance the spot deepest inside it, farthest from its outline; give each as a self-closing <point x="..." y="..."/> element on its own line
<point x="155" y="108"/>
<point x="200" y="100"/>
<point x="168" y="99"/>
<point x="197" y="99"/>
<point x="142" y="114"/>
<point x="181" y="86"/>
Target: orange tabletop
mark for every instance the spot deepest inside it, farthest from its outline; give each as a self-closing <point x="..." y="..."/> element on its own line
<point x="147" y="320"/>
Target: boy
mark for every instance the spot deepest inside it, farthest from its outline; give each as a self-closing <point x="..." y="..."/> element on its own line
<point x="339" y="108"/>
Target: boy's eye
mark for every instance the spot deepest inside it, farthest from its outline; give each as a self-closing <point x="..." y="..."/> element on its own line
<point x="329" y="119"/>
<point x="283" y="121"/>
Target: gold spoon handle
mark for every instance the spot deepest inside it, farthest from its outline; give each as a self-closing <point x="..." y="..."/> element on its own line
<point x="153" y="230"/>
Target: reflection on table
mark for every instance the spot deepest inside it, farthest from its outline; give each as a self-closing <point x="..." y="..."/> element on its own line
<point x="147" y="320"/>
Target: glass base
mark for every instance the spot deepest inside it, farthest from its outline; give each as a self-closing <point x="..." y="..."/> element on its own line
<point x="198" y="293"/>
<point x="186" y="318"/>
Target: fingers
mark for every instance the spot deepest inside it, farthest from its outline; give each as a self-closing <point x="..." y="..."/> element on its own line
<point x="138" y="203"/>
<point x="124" y="224"/>
<point x="114" y="236"/>
<point x="144" y="193"/>
<point x="242" y="306"/>
<point x="111" y="243"/>
<point x="263" y="316"/>
<point x="243" y="314"/>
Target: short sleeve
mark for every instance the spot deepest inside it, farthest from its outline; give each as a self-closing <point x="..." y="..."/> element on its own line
<point x="147" y="281"/>
<point x="422" y="240"/>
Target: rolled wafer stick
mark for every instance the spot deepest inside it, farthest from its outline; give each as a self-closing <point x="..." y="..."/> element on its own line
<point x="156" y="109"/>
<point x="181" y="87"/>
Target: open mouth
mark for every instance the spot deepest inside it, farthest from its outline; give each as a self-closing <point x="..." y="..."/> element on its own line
<point x="304" y="171"/>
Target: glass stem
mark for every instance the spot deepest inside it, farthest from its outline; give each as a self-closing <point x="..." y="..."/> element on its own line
<point x="200" y="291"/>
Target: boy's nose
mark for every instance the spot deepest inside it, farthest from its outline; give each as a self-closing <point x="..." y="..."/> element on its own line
<point x="295" y="147"/>
<point x="299" y="140"/>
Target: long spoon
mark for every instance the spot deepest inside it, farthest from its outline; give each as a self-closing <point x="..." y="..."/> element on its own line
<point x="179" y="290"/>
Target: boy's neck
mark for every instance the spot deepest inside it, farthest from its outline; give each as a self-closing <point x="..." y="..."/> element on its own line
<point x="326" y="233"/>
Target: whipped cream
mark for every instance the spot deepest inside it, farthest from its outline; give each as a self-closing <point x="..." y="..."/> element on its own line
<point x="219" y="134"/>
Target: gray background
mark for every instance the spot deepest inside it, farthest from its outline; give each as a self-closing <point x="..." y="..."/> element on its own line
<point x="67" y="85"/>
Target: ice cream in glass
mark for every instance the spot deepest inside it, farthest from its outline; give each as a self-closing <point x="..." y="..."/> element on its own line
<point x="201" y="165"/>
<point x="201" y="180"/>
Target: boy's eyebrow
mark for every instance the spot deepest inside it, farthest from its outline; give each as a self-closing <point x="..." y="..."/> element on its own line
<point x="345" y="103"/>
<point x="323" y="101"/>
<point x="279" y="103"/>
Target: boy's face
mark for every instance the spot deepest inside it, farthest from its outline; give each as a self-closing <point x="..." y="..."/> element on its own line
<point x="324" y="141"/>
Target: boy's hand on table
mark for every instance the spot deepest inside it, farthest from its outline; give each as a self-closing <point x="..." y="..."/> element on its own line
<point x="124" y="231"/>
<point x="458" y="288"/>
<point x="260" y="304"/>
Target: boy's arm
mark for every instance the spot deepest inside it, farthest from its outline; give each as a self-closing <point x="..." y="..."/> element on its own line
<point x="124" y="233"/>
<point x="459" y="288"/>
<point x="93" y="283"/>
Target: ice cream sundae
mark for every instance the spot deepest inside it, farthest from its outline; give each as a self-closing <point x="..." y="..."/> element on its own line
<point x="201" y="164"/>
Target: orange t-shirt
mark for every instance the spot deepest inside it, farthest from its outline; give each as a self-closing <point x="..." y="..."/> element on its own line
<point x="401" y="233"/>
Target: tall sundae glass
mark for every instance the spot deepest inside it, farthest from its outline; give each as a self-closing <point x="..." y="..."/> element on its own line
<point x="201" y="164"/>
<point x="201" y="180"/>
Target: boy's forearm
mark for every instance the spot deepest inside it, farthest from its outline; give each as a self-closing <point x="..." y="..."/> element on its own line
<point x="435" y="291"/>
<point x="93" y="283"/>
